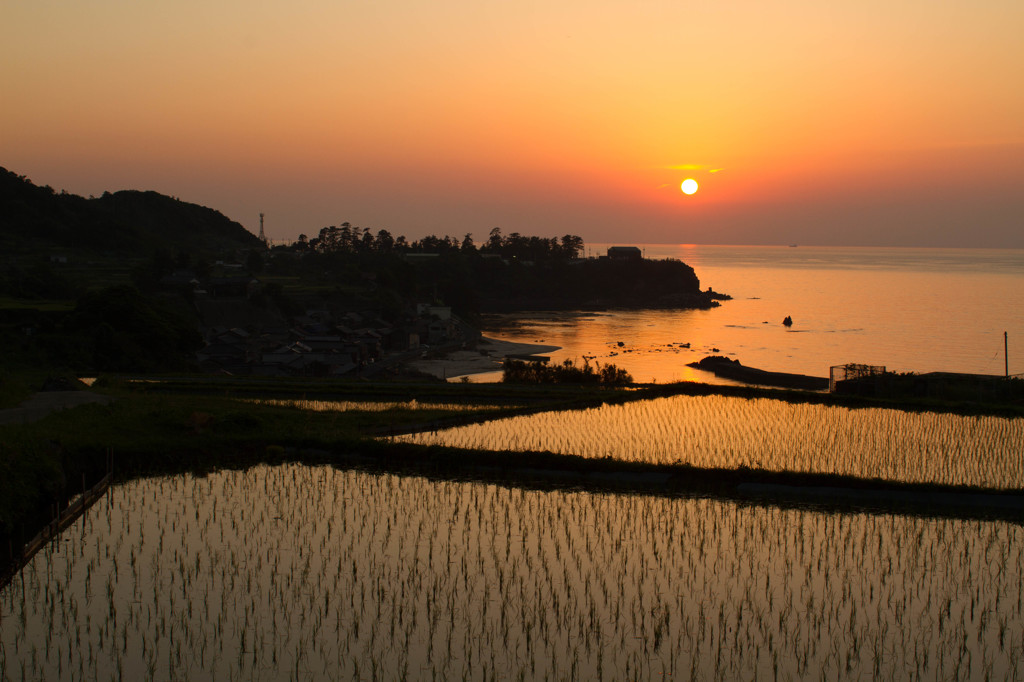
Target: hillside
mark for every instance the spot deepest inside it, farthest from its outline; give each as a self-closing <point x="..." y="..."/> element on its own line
<point x="34" y="218"/>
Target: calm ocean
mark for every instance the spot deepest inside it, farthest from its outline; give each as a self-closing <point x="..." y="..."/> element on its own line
<point x="907" y="309"/>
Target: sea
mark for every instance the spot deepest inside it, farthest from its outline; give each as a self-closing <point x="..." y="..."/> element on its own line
<point x="905" y="309"/>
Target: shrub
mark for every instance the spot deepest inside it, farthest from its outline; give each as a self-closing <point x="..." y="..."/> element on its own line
<point x="539" y="372"/>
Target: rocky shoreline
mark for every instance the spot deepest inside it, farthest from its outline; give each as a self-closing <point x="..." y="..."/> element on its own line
<point x="732" y="369"/>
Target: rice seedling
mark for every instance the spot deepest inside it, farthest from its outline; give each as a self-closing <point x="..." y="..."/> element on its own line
<point x="315" y="573"/>
<point x="371" y="406"/>
<point x="726" y="432"/>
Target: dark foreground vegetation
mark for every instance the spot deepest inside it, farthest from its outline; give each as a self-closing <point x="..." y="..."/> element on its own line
<point x="539" y="372"/>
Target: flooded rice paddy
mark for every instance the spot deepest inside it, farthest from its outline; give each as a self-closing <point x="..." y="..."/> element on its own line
<point x="371" y="406"/>
<point x="726" y="432"/>
<point x="299" y="572"/>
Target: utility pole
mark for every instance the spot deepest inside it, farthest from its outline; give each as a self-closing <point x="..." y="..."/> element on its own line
<point x="263" y="237"/>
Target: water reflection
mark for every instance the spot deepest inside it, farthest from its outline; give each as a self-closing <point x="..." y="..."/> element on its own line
<point x="916" y="310"/>
<point x="724" y="432"/>
<point x="313" y="573"/>
<point x="656" y="346"/>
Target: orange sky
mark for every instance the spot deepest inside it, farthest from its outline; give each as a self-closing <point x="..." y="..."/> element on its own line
<point x="875" y="123"/>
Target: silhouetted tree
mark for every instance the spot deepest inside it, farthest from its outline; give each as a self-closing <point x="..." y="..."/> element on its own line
<point x="572" y="246"/>
<point x="346" y="237"/>
<point x="366" y="242"/>
<point x="385" y="242"/>
<point x="539" y="372"/>
<point x="494" y="240"/>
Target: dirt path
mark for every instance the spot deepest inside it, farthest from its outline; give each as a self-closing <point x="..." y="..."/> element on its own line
<point x="45" y="402"/>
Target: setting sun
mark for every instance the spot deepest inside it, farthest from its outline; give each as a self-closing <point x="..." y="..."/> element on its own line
<point x="689" y="186"/>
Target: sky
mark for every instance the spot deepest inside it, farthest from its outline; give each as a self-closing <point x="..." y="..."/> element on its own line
<point x="867" y="124"/>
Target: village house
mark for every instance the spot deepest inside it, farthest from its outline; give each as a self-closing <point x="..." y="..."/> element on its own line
<point x="625" y="253"/>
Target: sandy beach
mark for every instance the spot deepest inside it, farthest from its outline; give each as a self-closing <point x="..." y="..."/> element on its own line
<point x="486" y="357"/>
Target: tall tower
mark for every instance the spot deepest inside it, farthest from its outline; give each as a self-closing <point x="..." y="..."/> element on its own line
<point x="263" y="237"/>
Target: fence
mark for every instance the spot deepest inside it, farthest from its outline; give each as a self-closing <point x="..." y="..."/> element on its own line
<point x="851" y="372"/>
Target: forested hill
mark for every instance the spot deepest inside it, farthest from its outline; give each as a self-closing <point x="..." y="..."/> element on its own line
<point x="126" y="222"/>
<point x="505" y="273"/>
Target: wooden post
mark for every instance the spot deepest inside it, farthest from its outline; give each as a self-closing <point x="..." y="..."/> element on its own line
<point x="1006" y="357"/>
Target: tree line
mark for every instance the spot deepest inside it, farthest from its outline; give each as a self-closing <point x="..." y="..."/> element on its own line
<point x="347" y="238"/>
<point x="540" y="372"/>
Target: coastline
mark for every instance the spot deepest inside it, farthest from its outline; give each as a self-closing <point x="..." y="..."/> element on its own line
<point x="487" y="356"/>
<point x="732" y="369"/>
